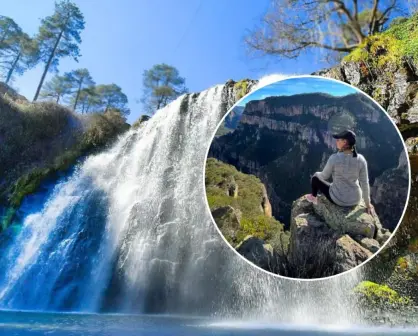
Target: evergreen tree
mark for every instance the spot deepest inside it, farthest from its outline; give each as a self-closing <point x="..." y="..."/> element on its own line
<point x="162" y="84"/>
<point x="57" y="88"/>
<point x="81" y="79"/>
<point x="59" y="36"/>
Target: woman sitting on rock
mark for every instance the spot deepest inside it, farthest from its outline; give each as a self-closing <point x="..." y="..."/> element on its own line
<point x="350" y="179"/>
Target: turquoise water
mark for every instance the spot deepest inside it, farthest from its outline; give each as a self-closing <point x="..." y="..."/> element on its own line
<point x="33" y="323"/>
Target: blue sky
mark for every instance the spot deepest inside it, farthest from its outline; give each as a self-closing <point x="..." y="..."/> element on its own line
<point x="203" y="39"/>
<point x="292" y="86"/>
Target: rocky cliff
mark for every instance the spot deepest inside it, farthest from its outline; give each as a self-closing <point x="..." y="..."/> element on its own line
<point x="326" y="239"/>
<point x="323" y="239"/>
<point x="284" y="140"/>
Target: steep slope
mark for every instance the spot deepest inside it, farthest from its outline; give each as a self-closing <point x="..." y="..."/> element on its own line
<point x="40" y="141"/>
<point x="239" y="204"/>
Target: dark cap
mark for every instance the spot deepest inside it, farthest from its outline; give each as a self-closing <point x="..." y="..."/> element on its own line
<point x="348" y="135"/>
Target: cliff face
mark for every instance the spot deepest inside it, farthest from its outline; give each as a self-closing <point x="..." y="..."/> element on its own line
<point x="284" y="140"/>
<point x="394" y="89"/>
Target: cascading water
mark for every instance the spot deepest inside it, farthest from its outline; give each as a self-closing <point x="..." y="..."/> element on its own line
<point x="129" y="231"/>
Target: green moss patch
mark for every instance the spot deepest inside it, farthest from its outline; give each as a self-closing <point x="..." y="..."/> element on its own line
<point x="376" y="294"/>
<point x="390" y="47"/>
<point x="241" y="88"/>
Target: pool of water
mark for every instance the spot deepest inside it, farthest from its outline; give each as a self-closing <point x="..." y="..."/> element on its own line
<point x="35" y="323"/>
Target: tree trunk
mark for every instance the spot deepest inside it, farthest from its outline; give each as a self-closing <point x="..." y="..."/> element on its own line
<point x="58" y="99"/>
<point x="12" y="69"/>
<point x="77" y="96"/>
<point x="48" y="64"/>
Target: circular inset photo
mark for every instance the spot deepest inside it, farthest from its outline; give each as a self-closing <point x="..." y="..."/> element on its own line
<point x="307" y="177"/>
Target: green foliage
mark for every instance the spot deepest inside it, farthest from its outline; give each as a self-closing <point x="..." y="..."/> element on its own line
<point x="253" y="220"/>
<point x="80" y="79"/>
<point x="58" y="87"/>
<point x="112" y="97"/>
<point x="241" y="88"/>
<point x="390" y="46"/>
<point x="26" y="185"/>
<point x="42" y="139"/>
<point x="374" y="293"/>
<point x="59" y="36"/>
<point x="88" y="100"/>
<point x="18" y="52"/>
<point x="259" y="226"/>
<point x="162" y="84"/>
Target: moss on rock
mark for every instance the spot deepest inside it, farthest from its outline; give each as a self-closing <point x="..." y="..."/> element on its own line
<point x="375" y="294"/>
<point x="247" y="199"/>
<point x="390" y="47"/>
<point x="241" y="88"/>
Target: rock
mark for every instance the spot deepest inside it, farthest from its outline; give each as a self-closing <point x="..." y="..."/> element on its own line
<point x="351" y="220"/>
<point x="319" y="243"/>
<point x="228" y="221"/>
<point x="143" y="118"/>
<point x="232" y="188"/>
<point x="404" y="278"/>
<point x="370" y="244"/>
<point x="256" y="251"/>
<point x="389" y="193"/>
<point x="312" y="243"/>
<point x="265" y="203"/>
<point x="349" y="254"/>
<point x="374" y="295"/>
<point x="382" y="237"/>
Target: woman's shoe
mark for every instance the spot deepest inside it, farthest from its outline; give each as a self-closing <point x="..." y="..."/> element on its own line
<point x="312" y="199"/>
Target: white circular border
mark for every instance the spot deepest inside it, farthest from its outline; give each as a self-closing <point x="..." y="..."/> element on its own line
<point x="332" y="276"/>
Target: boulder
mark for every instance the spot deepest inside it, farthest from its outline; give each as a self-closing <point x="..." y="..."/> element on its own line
<point x="265" y="203"/>
<point x="354" y="221"/>
<point x="258" y="252"/>
<point x="326" y="239"/>
<point x="228" y="221"/>
<point x="349" y="254"/>
<point x="390" y="205"/>
<point x="311" y="247"/>
<point x="370" y="244"/>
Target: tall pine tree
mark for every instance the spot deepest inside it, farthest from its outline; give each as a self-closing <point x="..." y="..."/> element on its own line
<point x="81" y="79"/>
<point x="59" y="36"/>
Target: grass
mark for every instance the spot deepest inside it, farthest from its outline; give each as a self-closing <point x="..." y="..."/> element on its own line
<point x="41" y="139"/>
<point x="250" y="193"/>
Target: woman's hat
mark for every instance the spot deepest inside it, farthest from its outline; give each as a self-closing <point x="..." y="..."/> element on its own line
<point x="348" y="135"/>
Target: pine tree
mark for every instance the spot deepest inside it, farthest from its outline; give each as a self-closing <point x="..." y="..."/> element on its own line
<point x="59" y="36"/>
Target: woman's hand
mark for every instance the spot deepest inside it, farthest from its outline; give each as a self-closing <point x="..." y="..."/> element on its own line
<point x="370" y="209"/>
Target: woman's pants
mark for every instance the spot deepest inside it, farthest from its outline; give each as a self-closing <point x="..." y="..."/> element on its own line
<point x="318" y="185"/>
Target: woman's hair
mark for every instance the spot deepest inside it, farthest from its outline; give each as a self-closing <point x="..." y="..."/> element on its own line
<point x="352" y="147"/>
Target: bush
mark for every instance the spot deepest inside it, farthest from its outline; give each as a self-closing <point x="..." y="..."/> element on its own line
<point x="40" y="139"/>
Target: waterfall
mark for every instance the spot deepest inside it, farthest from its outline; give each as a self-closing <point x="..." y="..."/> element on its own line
<point x="129" y="231"/>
